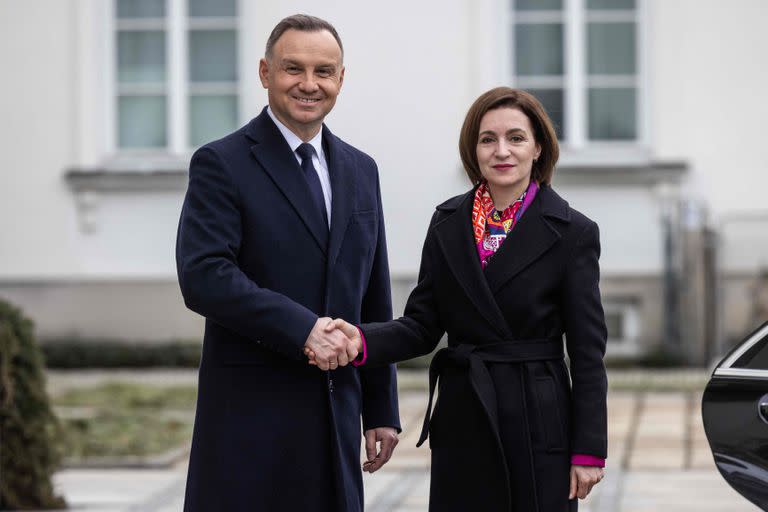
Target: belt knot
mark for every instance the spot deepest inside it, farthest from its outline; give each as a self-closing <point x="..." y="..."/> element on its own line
<point x="460" y="354"/>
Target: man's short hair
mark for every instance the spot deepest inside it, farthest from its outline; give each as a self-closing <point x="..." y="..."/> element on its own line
<point x="304" y="23"/>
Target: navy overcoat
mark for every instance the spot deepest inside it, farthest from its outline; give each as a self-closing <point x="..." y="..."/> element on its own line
<point x="508" y="414"/>
<point x="272" y="432"/>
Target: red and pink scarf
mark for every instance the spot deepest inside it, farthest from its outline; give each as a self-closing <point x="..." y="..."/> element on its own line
<point x="491" y="226"/>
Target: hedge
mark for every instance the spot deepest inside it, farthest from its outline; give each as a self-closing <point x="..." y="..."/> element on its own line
<point x="67" y="354"/>
<point x="29" y="431"/>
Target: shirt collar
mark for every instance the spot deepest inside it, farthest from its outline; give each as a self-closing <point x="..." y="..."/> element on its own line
<point x="293" y="140"/>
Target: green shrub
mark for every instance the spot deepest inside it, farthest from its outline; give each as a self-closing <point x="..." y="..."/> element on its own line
<point x="29" y="431"/>
<point x="657" y="357"/>
<point x="120" y="354"/>
<point x="662" y="357"/>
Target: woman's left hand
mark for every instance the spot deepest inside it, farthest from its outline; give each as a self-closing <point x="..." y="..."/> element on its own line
<point x="583" y="478"/>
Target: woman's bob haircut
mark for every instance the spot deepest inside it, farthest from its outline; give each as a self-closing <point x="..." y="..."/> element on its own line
<point x="543" y="131"/>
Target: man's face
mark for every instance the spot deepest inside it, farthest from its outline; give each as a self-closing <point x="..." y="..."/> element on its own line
<point x="303" y="77"/>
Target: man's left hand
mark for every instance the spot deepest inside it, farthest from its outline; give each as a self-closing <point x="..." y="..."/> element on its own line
<point x="386" y="438"/>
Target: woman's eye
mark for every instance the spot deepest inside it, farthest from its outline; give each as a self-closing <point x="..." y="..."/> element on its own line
<point x="486" y="140"/>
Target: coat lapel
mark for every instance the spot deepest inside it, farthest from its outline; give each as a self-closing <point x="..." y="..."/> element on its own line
<point x="454" y="235"/>
<point x="531" y="237"/>
<point x="276" y="158"/>
<point x="343" y="188"/>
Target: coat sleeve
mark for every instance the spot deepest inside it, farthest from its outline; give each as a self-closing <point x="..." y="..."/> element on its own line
<point x="419" y="330"/>
<point x="379" y="385"/>
<point x="586" y="335"/>
<point x="212" y="283"/>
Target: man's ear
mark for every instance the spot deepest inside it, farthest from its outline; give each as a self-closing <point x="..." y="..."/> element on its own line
<point x="264" y="73"/>
<point x="341" y="76"/>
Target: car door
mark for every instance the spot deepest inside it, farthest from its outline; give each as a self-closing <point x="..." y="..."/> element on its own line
<point x="735" y="413"/>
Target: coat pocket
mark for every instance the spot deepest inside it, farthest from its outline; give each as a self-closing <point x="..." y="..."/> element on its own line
<point x="363" y="217"/>
<point x="550" y="418"/>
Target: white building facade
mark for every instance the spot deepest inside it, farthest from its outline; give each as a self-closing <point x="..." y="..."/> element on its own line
<point x="658" y="104"/>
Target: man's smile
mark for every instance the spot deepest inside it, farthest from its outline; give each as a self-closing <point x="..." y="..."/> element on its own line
<point x="308" y="101"/>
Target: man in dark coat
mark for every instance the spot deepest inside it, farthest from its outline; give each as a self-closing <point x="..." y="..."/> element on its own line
<point x="282" y="228"/>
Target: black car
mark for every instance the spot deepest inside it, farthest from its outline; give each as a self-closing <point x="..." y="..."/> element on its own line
<point x="735" y="413"/>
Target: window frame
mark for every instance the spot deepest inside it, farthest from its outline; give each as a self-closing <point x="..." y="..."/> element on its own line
<point x="577" y="148"/>
<point x="627" y="344"/>
<point x="178" y="86"/>
<point x="726" y="370"/>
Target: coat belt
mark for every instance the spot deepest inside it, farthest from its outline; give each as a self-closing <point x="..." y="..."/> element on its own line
<point x="473" y="358"/>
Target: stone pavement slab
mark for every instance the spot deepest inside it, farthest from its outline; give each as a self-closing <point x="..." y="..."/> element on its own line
<point x="701" y="455"/>
<point x="413" y="405"/>
<point x="398" y="490"/>
<point x="680" y="491"/>
<point x="661" y="432"/>
<point x="622" y="410"/>
<point x="122" y="490"/>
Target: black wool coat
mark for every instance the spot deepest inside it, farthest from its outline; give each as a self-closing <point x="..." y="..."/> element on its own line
<point x="273" y="433"/>
<point x="508" y="414"/>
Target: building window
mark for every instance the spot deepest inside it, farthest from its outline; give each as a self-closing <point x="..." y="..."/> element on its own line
<point x="580" y="58"/>
<point x="622" y="323"/>
<point x="176" y="73"/>
<point x="614" y="322"/>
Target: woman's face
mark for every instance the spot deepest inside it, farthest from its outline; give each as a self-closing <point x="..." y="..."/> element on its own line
<point x="506" y="149"/>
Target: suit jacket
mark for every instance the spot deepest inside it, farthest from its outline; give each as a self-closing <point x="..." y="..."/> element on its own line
<point x="508" y="416"/>
<point x="272" y="432"/>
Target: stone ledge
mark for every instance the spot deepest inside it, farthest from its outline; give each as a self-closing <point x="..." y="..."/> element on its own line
<point x="650" y="173"/>
<point x="104" y="180"/>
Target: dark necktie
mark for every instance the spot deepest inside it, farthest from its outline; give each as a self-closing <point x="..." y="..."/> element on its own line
<point x="305" y="151"/>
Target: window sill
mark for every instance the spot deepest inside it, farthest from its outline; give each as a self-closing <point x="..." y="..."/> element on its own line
<point x="602" y="153"/>
<point x="124" y="181"/>
<point x="135" y="173"/>
<point x="616" y="164"/>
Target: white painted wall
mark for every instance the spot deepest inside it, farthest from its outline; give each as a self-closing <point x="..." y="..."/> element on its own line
<point x="709" y="104"/>
<point x="37" y="95"/>
<point x="744" y="243"/>
<point x="629" y="221"/>
<point x="134" y="234"/>
<point x="413" y="68"/>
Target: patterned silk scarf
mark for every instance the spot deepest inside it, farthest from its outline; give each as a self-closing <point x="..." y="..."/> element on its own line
<point x="491" y="226"/>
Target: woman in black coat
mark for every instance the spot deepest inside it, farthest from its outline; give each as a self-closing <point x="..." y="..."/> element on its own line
<point x="507" y="270"/>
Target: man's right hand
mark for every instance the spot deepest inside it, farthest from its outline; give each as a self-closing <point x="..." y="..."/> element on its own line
<point x="331" y="348"/>
<point x="349" y="330"/>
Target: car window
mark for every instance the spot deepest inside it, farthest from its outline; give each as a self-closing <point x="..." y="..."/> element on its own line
<point x="756" y="356"/>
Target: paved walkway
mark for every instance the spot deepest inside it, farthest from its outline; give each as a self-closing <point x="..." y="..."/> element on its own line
<point x="658" y="460"/>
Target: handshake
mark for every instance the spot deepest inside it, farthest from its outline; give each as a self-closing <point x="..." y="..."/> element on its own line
<point x="332" y="343"/>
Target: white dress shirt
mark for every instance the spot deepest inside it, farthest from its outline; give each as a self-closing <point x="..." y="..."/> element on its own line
<point x="318" y="159"/>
